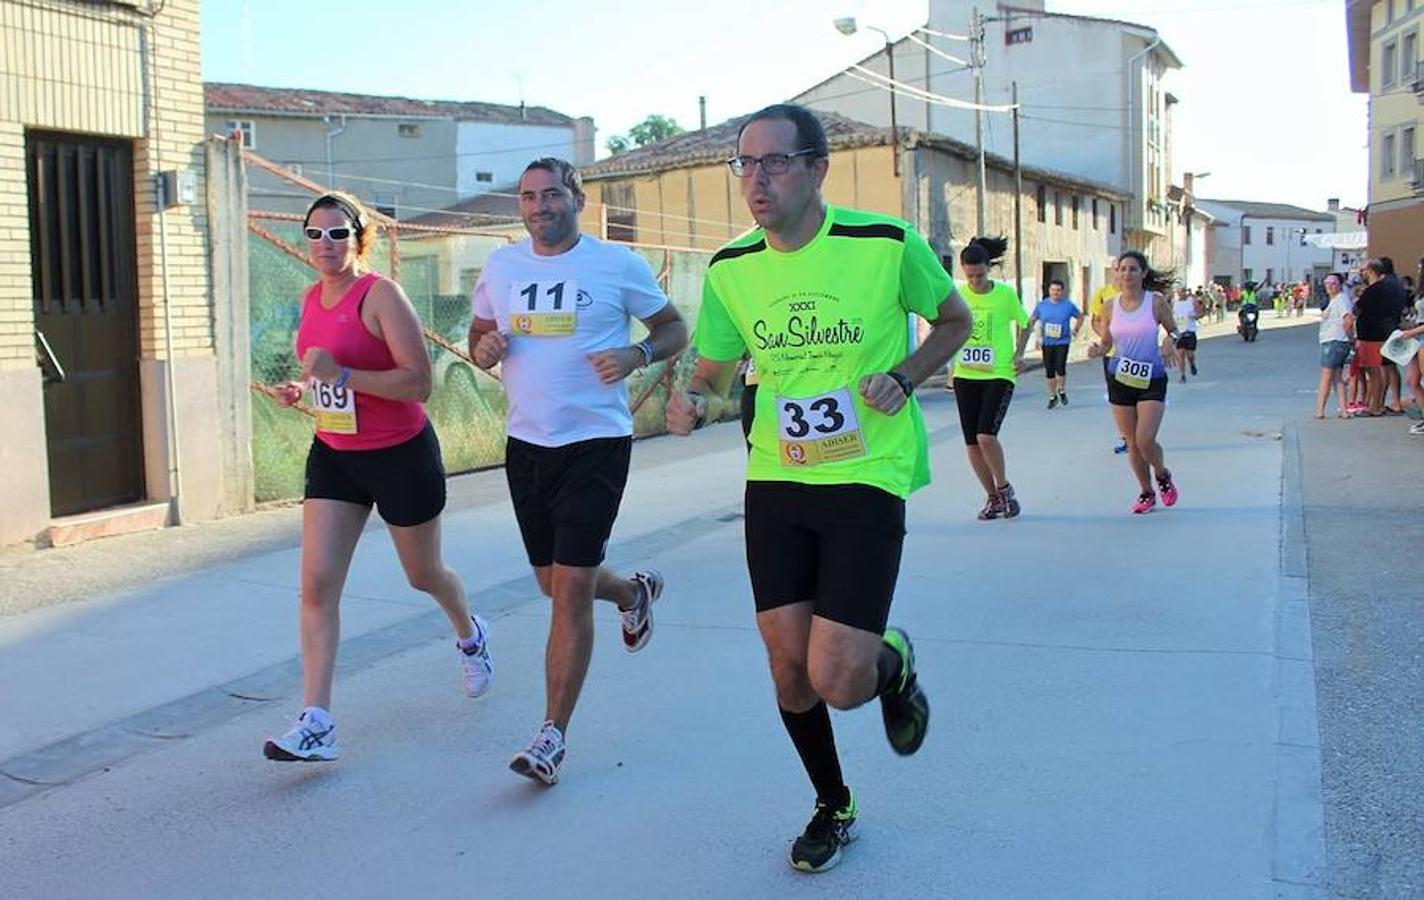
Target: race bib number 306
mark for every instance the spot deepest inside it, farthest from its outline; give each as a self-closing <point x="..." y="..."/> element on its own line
<point x="543" y="308"/>
<point x="977" y="357"/>
<point x="817" y="430"/>
<point x="335" y="409"/>
<point x="1133" y="373"/>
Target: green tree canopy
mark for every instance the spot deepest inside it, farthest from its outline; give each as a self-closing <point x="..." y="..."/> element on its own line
<point x="652" y="129"/>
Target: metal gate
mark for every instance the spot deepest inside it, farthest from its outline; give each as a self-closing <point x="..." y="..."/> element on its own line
<point x="82" y="254"/>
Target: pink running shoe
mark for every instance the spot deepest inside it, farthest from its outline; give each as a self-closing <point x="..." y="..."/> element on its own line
<point x="1145" y="503"/>
<point x="1168" y="489"/>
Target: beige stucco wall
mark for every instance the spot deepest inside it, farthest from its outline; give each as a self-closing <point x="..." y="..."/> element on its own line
<point x="80" y="69"/>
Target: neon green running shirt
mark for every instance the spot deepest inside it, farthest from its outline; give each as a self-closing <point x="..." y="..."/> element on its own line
<point x="989" y="352"/>
<point x="816" y="321"/>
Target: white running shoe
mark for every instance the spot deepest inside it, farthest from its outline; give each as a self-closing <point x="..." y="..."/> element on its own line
<point x="476" y="667"/>
<point x="1417" y="428"/>
<point x="637" y="620"/>
<point x="312" y="738"/>
<point x="544" y="756"/>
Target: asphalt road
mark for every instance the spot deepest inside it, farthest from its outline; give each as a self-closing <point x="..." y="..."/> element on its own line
<point x="1124" y="706"/>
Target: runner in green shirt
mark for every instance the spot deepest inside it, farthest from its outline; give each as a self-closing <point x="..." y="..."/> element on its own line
<point x="820" y="296"/>
<point x="986" y="371"/>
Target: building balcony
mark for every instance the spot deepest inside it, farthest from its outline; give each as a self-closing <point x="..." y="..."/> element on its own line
<point x="1418" y="83"/>
<point x="1417" y="182"/>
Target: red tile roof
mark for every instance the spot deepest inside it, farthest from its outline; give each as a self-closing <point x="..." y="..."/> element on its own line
<point x="251" y="98"/>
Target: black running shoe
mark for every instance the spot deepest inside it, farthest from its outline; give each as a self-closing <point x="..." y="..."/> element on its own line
<point x="904" y="708"/>
<point x="819" y="846"/>
<point x="1052" y="401"/>
<point x="1063" y="398"/>
<point x="1194" y="367"/>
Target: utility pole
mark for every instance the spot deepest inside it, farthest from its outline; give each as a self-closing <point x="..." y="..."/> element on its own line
<point x="702" y="112"/>
<point x="977" y="59"/>
<point x="1018" y="201"/>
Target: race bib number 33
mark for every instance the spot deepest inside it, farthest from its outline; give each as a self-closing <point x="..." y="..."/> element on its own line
<point x="543" y="308"/>
<point x="335" y="409"/>
<point x="817" y="430"/>
<point x="1133" y="373"/>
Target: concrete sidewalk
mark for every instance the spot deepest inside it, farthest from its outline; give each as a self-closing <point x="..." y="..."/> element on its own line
<point x="1139" y="726"/>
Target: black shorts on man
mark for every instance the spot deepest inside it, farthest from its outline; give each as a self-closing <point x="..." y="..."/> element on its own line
<point x="1187" y="340"/>
<point x="406" y="483"/>
<point x="1055" y="360"/>
<point x="566" y="498"/>
<point x="835" y="545"/>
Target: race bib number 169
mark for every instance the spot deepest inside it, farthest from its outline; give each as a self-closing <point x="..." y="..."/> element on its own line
<point x="816" y="430"/>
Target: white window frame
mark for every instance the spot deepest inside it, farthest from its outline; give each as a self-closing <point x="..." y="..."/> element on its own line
<point x="1389" y="63"/>
<point x="1388" y="145"/>
<point x="1408" y="149"/>
<point x="248" y="129"/>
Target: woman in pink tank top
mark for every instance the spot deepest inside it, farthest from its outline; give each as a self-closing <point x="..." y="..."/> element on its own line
<point x="365" y="365"/>
<point x="1136" y="372"/>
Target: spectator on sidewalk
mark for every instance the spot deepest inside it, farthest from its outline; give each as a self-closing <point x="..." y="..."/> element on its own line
<point x="1376" y="315"/>
<point x="1337" y="325"/>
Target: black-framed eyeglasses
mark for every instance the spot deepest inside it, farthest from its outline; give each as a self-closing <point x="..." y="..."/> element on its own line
<point x="771" y="163"/>
<point x="337" y="233"/>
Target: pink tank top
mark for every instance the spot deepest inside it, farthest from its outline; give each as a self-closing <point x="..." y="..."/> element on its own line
<point x="380" y="422"/>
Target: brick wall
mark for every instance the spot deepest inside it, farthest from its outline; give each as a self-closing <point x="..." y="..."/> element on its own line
<point x="79" y="68"/>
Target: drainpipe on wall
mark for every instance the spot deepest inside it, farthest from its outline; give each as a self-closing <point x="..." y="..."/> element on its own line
<point x="331" y="133"/>
<point x="1134" y="88"/>
<point x="174" y="468"/>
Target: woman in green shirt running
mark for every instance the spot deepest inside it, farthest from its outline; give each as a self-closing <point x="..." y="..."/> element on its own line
<point x="986" y="370"/>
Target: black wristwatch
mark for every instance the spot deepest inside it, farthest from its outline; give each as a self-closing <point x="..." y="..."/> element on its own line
<point x="905" y="384"/>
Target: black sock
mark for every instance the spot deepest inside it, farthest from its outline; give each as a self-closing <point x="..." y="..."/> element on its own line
<point x="816" y="744"/>
<point x="889" y="666"/>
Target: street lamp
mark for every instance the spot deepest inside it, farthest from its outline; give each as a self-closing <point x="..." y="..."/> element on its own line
<point x="847" y="26"/>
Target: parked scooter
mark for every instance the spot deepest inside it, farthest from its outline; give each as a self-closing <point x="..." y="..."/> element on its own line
<point x="1246" y="318"/>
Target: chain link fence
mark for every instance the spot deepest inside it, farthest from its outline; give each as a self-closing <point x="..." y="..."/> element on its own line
<point x="436" y="268"/>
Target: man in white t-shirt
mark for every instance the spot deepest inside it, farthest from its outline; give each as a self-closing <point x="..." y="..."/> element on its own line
<point x="555" y="310"/>
<point x="1186" y="309"/>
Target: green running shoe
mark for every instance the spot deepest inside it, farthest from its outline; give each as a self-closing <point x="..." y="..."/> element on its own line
<point x="905" y="708"/>
<point x="819" y="846"/>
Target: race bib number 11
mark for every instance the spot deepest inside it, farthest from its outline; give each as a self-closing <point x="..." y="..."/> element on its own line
<point x="817" y="430"/>
<point x="543" y="308"/>
<point x="335" y="409"/>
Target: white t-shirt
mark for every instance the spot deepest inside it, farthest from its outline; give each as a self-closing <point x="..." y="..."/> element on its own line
<point x="555" y="311"/>
<point x="1185" y="312"/>
<point x="1332" y="322"/>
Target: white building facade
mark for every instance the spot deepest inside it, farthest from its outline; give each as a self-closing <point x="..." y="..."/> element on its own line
<point x="1266" y="242"/>
<point x="1094" y="95"/>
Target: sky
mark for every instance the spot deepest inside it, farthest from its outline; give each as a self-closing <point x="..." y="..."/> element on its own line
<point x="1271" y="120"/>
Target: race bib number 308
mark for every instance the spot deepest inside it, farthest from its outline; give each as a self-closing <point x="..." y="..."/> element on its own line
<point x="543" y="308"/>
<point x="1133" y="373"/>
<point x="335" y="409"/>
<point x="816" y="430"/>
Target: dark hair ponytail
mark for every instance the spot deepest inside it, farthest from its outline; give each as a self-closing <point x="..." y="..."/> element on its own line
<point x="1155" y="280"/>
<point x="983" y="251"/>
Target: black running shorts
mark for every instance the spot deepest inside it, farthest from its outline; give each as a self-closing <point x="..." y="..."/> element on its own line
<point x="406" y="483"/>
<point x="566" y="498"/>
<point x="1120" y="394"/>
<point x="1187" y="340"/>
<point x="983" y="403"/>
<point x="836" y="545"/>
<point x="1055" y="360"/>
